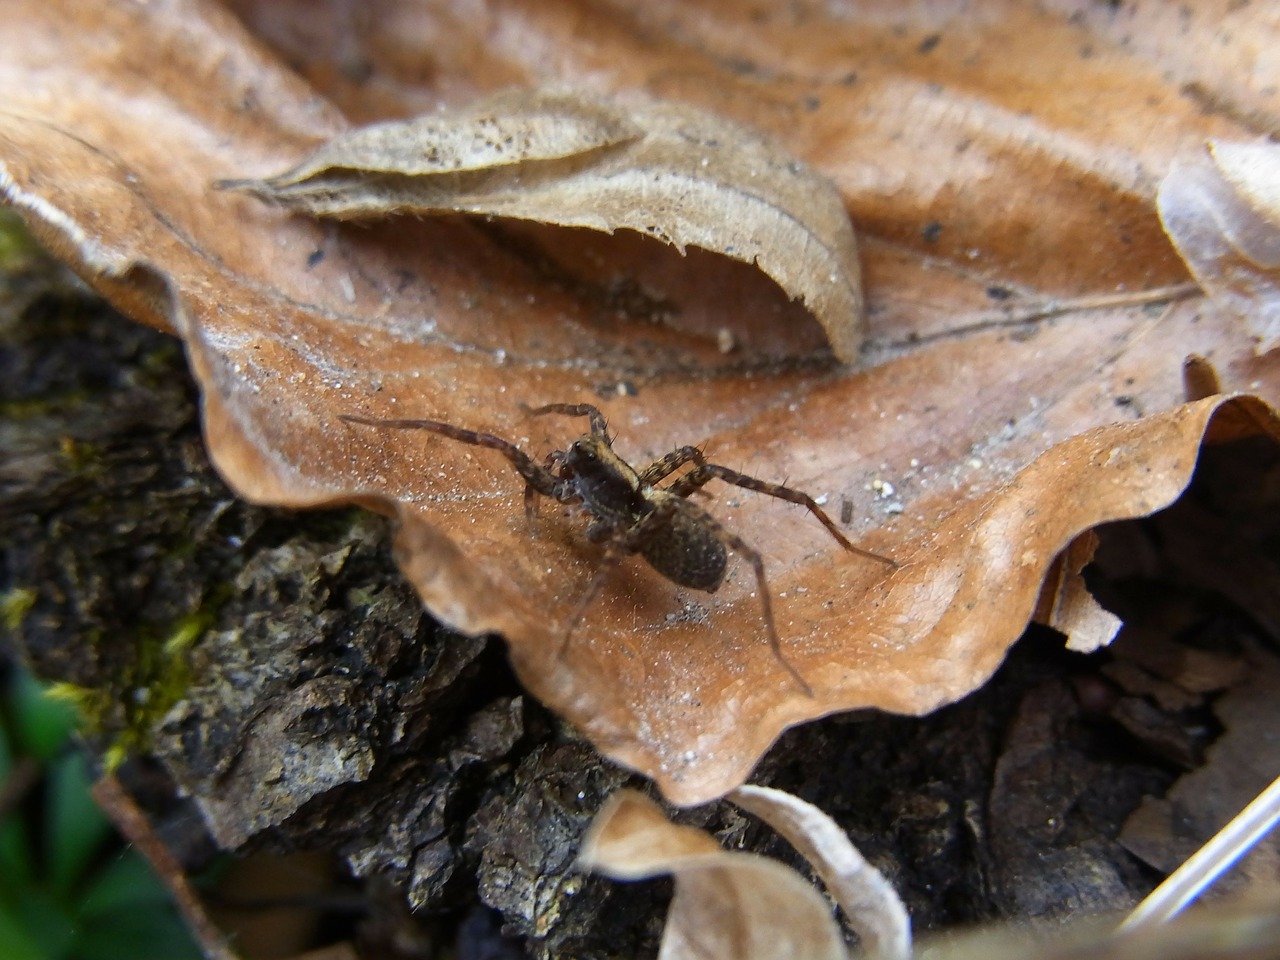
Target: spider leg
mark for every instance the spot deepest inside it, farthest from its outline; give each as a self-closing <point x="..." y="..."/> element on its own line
<point x="537" y="477"/>
<point x="612" y="554"/>
<point x="663" y="467"/>
<point x="634" y="539"/>
<point x="706" y="472"/>
<point x="766" y="606"/>
<point x="549" y="463"/>
<point x="598" y="424"/>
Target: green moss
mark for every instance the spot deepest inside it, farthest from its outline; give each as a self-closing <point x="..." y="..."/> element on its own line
<point x="89" y="702"/>
<point x="187" y="631"/>
<point x="80" y="457"/>
<point x="29" y="408"/>
<point x="16" y="244"/>
<point x="128" y="710"/>
<point x="15" y="604"/>
<point x="93" y="706"/>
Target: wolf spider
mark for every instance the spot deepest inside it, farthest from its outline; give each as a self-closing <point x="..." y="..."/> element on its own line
<point x="631" y="514"/>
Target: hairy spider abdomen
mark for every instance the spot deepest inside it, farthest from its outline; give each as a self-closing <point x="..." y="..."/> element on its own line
<point x="687" y="551"/>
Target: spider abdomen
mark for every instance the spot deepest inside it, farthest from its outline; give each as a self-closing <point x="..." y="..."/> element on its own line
<point x="687" y="551"/>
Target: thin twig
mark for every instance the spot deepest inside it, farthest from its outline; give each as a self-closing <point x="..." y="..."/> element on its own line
<point x="133" y="823"/>
<point x="1056" y="308"/>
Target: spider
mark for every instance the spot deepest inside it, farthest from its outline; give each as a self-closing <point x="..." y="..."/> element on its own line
<point x="630" y="513"/>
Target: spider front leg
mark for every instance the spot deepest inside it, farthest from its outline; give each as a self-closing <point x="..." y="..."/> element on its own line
<point x="663" y="467"/>
<point x="598" y="425"/>
<point x="549" y="463"/>
<point x="612" y="554"/>
<point x="705" y="472"/>
<point x="536" y="477"/>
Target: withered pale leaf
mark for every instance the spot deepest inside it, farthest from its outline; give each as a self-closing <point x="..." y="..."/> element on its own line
<point x="667" y="170"/>
<point x="872" y="906"/>
<point x="536" y="133"/>
<point x="1222" y="210"/>
<point x="1244" y="930"/>
<point x="727" y="903"/>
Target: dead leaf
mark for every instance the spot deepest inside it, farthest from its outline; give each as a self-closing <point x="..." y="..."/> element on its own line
<point x="727" y="904"/>
<point x="995" y="418"/>
<point x="1237" y="931"/>
<point x="1066" y="604"/>
<point x="666" y="170"/>
<point x="1223" y="212"/>
<point x="871" y="905"/>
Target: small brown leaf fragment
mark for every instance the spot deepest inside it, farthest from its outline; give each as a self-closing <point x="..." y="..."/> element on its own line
<point x="1158" y="731"/>
<point x="671" y="171"/>
<point x="727" y="904"/>
<point x="1191" y="670"/>
<point x="1134" y="680"/>
<point x="1066" y="604"/>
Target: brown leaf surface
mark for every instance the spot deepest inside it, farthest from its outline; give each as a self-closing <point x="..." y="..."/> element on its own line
<point x="991" y="423"/>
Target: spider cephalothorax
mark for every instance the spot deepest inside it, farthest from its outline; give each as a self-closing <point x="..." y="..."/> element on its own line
<point x="630" y="513"/>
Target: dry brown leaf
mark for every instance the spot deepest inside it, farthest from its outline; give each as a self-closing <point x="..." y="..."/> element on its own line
<point x="727" y="903"/>
<point x="1223" y="212"/>
<point x="992" y="424"/>
<point x="684" y="176"/>
<point x="1066" y="604"/>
